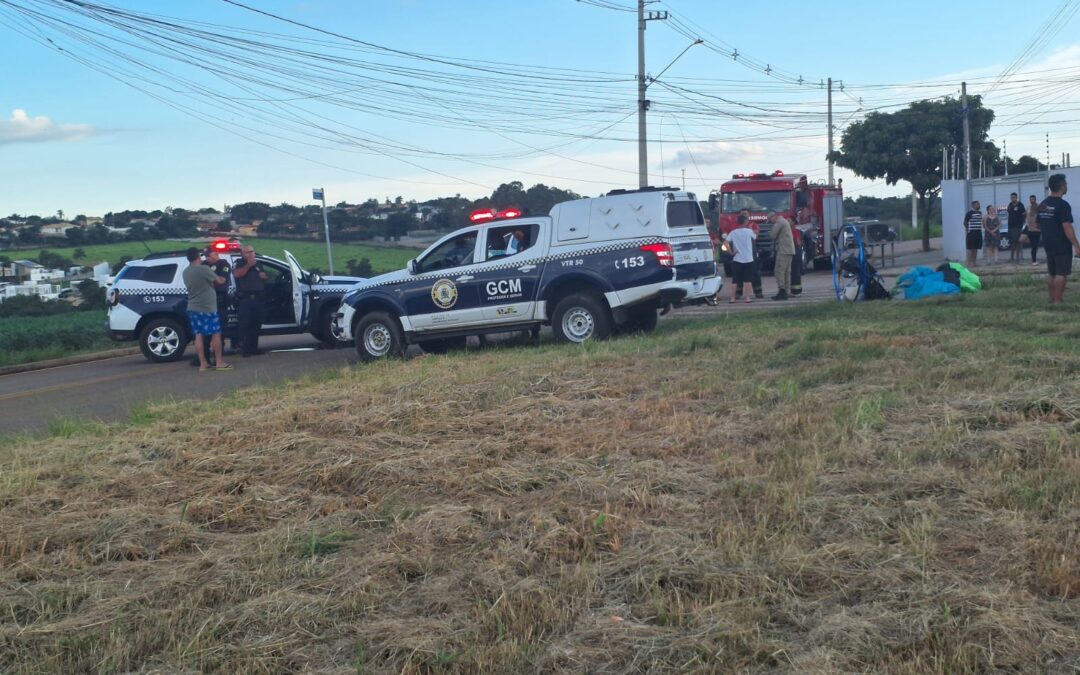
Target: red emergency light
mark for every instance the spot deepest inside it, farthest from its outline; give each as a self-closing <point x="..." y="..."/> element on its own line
<point x="484" y="215"/>
<point x="739" y="175"/>
<point x="778" y="172"/>
<point x="223" y="245"/>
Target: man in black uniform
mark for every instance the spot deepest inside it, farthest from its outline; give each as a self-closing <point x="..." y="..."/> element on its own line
<point x="1017" y="216"/>
<point x="1055" y="220"/>
<point x="251" y="292"/>
<point x="222" y="268"/>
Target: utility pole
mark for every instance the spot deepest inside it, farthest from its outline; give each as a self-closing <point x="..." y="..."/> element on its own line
<point x="643" y="103"/>
<point x="684" y="179"/>
<point x="830" y="134"/>
<point x="967" y="131"/>
<point x="1005" y="145"/>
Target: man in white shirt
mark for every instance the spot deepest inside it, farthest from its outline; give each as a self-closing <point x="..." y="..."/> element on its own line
<point x="741" y="242"/>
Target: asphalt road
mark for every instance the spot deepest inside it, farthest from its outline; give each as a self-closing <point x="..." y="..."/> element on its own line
<point x="107" y="390"/>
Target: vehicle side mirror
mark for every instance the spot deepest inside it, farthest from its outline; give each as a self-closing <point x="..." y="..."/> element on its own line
<point x="411" y="266"/>
<point x="802" y="198"/>
<point x="712" y="202"/>
<point x="315" y="278"/>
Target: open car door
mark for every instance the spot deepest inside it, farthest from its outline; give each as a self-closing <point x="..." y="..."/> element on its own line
<point x="299" y="290"/>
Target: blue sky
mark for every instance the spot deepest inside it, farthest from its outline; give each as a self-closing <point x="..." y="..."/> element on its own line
<point x="74" y="139"/>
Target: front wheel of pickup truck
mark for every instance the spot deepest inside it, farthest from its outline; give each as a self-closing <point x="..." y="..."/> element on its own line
<point x="579" y="317"/>
<point x="378" y="336"/>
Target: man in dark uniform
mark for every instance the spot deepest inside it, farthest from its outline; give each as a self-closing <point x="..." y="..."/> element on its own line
<point x="1017" y="218"/>
<point x="222" y="269"/>
<point x="251" y="298"/>
<point x="1055" y="221"/>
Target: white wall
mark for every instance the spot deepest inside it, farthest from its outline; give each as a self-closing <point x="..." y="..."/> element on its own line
<point x="954" y="203"/>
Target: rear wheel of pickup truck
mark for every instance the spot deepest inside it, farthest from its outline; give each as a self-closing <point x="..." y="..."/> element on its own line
<point x="379" y="336"/>
<point x="641" y="320"/>
<point x="579" y="317"/>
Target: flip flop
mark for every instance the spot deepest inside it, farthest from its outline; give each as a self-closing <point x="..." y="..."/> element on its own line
<point x="205" y="370"/>
<point x="227" y="366"/>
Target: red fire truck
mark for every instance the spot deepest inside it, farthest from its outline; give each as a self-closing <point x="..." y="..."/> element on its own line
<point x="816" y="209"/>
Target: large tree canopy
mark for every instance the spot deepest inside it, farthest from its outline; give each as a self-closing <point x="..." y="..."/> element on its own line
<point x="907" y="146"/>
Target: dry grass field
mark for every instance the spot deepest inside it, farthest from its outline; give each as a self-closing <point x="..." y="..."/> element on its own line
<point x="886" y="488"/>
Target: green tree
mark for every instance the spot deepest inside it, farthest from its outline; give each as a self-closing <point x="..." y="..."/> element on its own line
<point x="906" y="146"/>
<point x="93" y="295"/>
<point x="398" y="224"/>
<point x="79" y="254"/>
<point x="249" y="211"/>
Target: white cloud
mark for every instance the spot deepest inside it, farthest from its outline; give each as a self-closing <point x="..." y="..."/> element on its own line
<point x="717" y="153"/>
<point x="21" y="128"/>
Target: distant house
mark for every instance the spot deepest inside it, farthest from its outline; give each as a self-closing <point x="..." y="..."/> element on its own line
<point x="45" y="291"/>
<point x="56" y="230"/>
<point x="28" y="270"/>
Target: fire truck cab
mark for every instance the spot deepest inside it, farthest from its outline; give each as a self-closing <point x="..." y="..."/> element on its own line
<point x="815" y="209"/>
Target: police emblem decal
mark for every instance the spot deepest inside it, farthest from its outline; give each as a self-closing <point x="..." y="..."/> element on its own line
<point x="444" y="294"/>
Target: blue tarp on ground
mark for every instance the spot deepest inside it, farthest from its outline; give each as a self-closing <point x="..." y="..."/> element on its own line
<point x="923" y="282"/>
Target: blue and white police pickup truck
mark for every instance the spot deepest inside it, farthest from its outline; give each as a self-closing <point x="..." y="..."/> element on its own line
<point x="591" y="267"/>
<point x="148" y="302"/>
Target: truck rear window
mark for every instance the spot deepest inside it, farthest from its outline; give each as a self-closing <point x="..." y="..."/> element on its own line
<point x="684" y="214"/>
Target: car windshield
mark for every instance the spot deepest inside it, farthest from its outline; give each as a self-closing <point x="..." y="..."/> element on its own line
<point x="757" y="202"/>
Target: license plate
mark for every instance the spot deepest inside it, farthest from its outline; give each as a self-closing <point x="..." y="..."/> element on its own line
<point x="696" y="255"/>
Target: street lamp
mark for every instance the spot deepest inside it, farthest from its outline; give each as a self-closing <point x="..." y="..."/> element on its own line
<point x="320" y="194"/>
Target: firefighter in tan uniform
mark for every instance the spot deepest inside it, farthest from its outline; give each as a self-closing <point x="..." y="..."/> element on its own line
<point x="783" y="253"/>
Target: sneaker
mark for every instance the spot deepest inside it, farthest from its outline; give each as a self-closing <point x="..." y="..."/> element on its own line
<point x="782" y="295"/>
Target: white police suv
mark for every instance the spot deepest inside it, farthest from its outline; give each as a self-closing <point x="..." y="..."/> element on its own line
<point x="148" y="302"/>
<point x="590" y="267"/>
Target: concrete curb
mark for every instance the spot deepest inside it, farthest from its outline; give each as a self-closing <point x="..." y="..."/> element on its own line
<point x="67" y="361"/>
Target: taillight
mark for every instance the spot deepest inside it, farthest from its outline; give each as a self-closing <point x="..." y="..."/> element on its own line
<point x="664" y="256"/>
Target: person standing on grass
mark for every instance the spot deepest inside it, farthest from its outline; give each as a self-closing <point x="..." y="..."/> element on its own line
<point x="783" y="252"/>
<point x="1031" y="229"/>
<point x="973" y="226"/>
<point x="200" y="282"/>
<point x="1017" y="216"/>
<point x="251" y="288"/>
<point x="743" y="265"/>
<point x="1058" y="237"/>
<point x="992" y="236"/>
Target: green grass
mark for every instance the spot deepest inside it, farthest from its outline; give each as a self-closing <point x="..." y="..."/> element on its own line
<point x="36" y="338"/>
<point x="884" y="487"/>
<point x="311" y="254"/>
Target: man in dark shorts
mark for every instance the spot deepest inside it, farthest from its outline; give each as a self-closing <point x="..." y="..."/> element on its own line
<point x="1017" y="216"/>
<point x="251" y="289"/>
<point x="1054" y="217"/>
<point x="973" y="223"/>
<point x="202" y="315"/>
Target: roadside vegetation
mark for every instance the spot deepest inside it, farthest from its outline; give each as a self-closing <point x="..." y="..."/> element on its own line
<point x="24" y="339"/>
<point x="311" y="254"/>
<point x="886" y="487"/>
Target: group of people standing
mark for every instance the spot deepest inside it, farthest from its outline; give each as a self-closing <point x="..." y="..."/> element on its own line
<point x="744" y="265"/>
<point x="1049" y="222"/>
<point x="984" y="231"/>
<point x="207" y="281"/>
